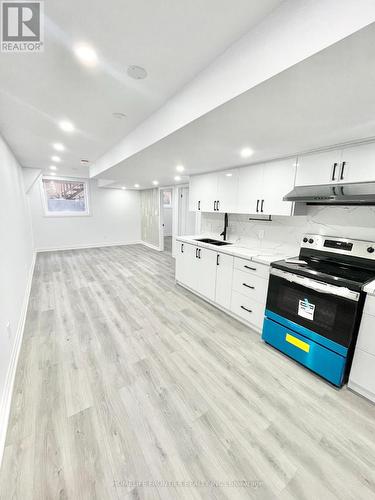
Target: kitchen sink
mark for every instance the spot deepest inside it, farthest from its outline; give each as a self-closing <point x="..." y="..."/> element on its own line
<point x="218" y="243"/>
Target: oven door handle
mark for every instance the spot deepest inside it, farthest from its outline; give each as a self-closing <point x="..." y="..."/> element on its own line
<point x="318" y="286"/>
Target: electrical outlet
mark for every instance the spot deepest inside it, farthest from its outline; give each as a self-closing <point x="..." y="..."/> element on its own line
<point x="9" y="330"/>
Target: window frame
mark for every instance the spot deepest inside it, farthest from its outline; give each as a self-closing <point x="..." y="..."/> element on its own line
<point x="48" y="213"/>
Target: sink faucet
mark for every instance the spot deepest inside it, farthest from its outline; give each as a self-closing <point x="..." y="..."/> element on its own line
<point x="224" y="233"/>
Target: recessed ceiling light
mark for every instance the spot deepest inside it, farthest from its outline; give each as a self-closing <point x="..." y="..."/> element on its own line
<point x="177" y="178"/>
<point x="86" y="54"/>
<point x="66" y="126"/>
<point x="136" y="185"/>
<point x="53" y="167"/>
<point x="56" y="158"/>
<point x="229" y="174"/>
<point x="136" y="72"/>
<point x="52" y="173"/>
<point x="180" y="168"/>
<point x="119" y="115"/>
<point x="123" y="187"/>
<point x="155" y="183"/>
<point x="246" y="152"/>
<point x="58" y="146"/>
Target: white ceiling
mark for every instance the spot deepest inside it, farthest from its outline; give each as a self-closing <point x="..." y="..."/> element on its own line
<point x="173" y="40"/>
<point x="325" y="100"/>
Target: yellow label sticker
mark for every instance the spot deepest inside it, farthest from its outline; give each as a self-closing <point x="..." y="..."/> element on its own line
<point x="297" y="342"/>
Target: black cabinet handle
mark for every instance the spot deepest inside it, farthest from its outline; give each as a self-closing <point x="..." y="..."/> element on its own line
<point x="218" y="205"/>
<point x="342" y="170"/>
<point x="251" y="268"/>
<point x="214" y="206"/>
<point x="334" y="171"/>
<point x="246" y="309"/>
<point x="217" y="259"/>
<point x="196" y="253"/>
<point x="199" y="205"/>
<point x="199" y="253"/>
<point x="182" y="248"/>
<point x="249" y="286"/>
<point x="257" y="206"/>
<point x="261" y="206"/>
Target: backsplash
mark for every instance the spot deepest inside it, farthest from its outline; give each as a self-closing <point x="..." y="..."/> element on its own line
<point x="284" y="233"/>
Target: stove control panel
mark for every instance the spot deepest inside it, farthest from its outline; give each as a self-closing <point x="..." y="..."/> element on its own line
<point x="344" y="246"/>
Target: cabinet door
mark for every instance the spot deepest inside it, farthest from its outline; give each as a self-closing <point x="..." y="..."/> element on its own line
<point x="250" y="188"/>
<point x="224" y="274"/>
<point x="227" y="190"/>
<point x="318" y="168"/>
<point x="278" y="180"/>
<point x="187" y="264"/>
<point x="358" y="164"/>
<point x="206" y="273"/>
<point x="203" y="189"/>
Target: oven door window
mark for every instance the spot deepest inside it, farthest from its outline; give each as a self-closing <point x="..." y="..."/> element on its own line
<point x="328" y="315"/>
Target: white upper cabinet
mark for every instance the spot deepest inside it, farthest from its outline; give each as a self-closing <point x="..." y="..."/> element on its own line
<point x="227" y="190"/>
<point x="278" y="180"/>
<point x="250" y="188"/>
<point x="203" y="189"/>
<point x="358" y="163"/>
<point x="319" y="168"/>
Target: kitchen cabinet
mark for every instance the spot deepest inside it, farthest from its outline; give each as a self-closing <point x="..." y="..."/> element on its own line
<point x="214" y="192"/>
<point x="278" y="180"/>
<point x="224" y="273"/>
<point x="196" y="268"/>
<point x="358" y="163"/>
<point x="319" y="168"/>
<point x="186" y="265"/>
<point x="250" y="186"/>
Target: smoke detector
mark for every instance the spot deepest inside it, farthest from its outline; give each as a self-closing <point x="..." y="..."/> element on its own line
<point x="137" y="72"/>
<point x="85" y="162"/>
<point x="118" y="115"/>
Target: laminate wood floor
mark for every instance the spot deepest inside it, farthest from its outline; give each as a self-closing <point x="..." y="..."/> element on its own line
<point x="130" y="387"/>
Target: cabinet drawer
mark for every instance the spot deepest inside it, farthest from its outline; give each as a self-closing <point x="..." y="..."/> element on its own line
<point x="249" y="310"/>
<point x="251" y="267"/>
<point x="369" y="305"/>
<point x="366" y="336"/>
<point x="250" y="285"/>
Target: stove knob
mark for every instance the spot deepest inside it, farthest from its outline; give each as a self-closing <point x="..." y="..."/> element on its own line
<point x="305" y="240"/>
<point x="370" y="249"/>
<point x="311" y="241"/>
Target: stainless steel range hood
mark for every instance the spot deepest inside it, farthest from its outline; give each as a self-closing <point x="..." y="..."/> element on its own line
<point x="362" y="193"/>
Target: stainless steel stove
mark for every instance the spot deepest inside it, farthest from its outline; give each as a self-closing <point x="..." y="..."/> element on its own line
<point x="315" y="302"/>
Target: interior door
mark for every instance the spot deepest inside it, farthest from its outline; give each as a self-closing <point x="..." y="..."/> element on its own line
<point x="318" y="168"/>
<point x="206" y="273"/>
<point x="278" y="180"/>
<point x="250" y="189"/>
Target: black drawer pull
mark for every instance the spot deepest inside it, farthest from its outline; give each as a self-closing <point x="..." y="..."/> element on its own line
<point x="249" y="286"/>
<point x="246" y="309"/>
<point x="251" y="268"/>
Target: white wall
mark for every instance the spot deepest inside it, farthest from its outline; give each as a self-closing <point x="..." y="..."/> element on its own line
<point x="284" y="234"/>
<point x="114" y="219"/>
<point x="16" y="263"/>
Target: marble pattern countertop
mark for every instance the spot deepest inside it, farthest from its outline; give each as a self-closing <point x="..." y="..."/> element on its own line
<point x="255" y="254"/>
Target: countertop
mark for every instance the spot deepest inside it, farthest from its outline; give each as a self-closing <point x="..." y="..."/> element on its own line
<point x="255" y="254"/>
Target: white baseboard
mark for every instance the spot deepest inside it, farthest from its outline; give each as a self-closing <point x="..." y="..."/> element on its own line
<point x="11" y="373"/>
<point x="149" y="245"/>
<point x="82" y="247"/>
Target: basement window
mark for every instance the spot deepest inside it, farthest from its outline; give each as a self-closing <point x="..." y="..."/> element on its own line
<point x="65" y="197"/>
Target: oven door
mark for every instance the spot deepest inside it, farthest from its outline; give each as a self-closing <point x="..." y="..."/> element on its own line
<point x="328" y="310"/>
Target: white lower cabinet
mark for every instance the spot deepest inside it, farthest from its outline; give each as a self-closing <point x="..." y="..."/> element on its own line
<point x="234" y="284"/>
<point x="224" y="273"/>
<point x="362" y="373"/>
